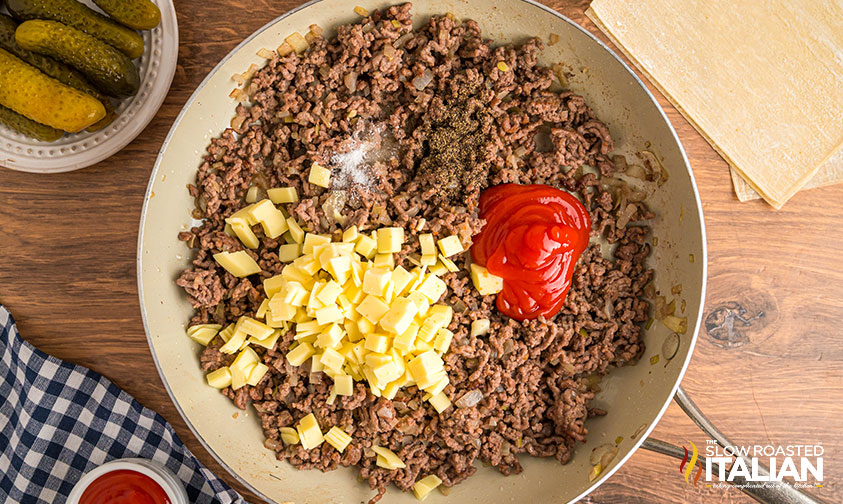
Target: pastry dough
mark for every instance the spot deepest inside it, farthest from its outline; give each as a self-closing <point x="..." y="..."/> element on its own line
<point x="830" y="173"/>
<point x="760" y="79"/>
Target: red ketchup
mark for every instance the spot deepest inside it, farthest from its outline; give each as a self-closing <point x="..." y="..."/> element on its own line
<point x="124" y="487"/>
<point x="533" y="236"/>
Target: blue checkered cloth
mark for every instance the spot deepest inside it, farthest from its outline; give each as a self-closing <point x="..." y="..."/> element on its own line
<point x="59" y="421"/>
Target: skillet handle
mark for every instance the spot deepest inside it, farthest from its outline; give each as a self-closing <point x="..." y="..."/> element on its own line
<point x="770" y="493"/>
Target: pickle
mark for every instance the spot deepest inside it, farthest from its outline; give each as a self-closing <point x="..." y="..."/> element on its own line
<point x="54" y="69"/>
<point x="28" y="127"/>
<point x="107" y="68"/>
<point x="79" y="16"/>
<point x="137" y="14"/>
<point x="30" y="93"/>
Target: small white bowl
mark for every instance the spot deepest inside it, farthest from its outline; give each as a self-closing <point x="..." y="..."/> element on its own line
<point x="158" y="472"/>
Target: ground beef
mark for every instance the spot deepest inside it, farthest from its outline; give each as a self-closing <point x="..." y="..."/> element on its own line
<point x="536" y="378"/>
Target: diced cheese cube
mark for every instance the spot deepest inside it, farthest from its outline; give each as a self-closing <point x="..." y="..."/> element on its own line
<point x="239" y="264"/>
<point x="244" y="232"/>
<point x="374" y="385"/>
<point x="387" y="458"/>
<point x="273" y="284"/>
<point x="340" y="268"/>
<point x="372" y="308"/>
<point x="404" y="341"/>
<point x="439" y="386"/>
<point x="343" y="385"/>
<point x="316" y="365"/>
<point x="359" y="351"/>
<point x="366" y="246"/>
<point x="244" y="214"/>
<point x="203" y="333"/>
<point x="448" y="264"/>
<point x="386" y="372"/>
<point x="377" y="343"/>
<point x="386" y="261"/>
<point x="433" y="288"/>
<point x="428" y="244"/>
<point x="226" y="333"/>
<point x="239" y="376"/>
<point x="480" y="327"/>
<point x="272" y="221"/>
<point x="337" y="438"/>
<point x="330" y="337"/>
<point x="308" y="264"/>
<point x="391" y="390"/>
<point x="245" y="360"/>
<point x="332" y="359"/>
<point x="257" y="374"/>
<point x="300" y="354"/>
<point x="376" y="359"/>
<point x="310" y="434"/>
<point x="352" y="331"/>
<point x="261" y="312"/>
<point x="400" y="315"/>
<point x="308" y="327"/>
<point x="328" y="294"/>
<point x="365" y="326"/>
<point x="237" y="339"/>
<point x="425" y="368"/>
<point x="329" y="315"/>
<point x="221" y="378"/>
<point x="450" y="245"/>
<point x="319" y="175"/>
<point x="294" y="293"/>
<point x="443" y="340"/>
<point x="289" y="252"/>
<point x="296" y="232"/>
<point x="279" y="311"/>
<point x="421" y="301"/>
<point x="438" y="316"/>
<point x="289" y="435"/>
<point x="485" y="282"/>
<point x="424" y="486"/>
<point x="390" y="240"/>
<point x="375" y="280"/>
<point x="438" y="269"/>
<point x="350" y="235"/>
<point x="311" y="240"/>
<point x="280" y="195"/>
<point x="427" y="260"/>
<point x="254" y="328"/>
<point x="267" y="342"/>
<point x="440" y="402"/>
<point x="401" y="278"/>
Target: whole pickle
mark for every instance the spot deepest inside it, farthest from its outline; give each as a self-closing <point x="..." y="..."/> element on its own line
<point x="137" y="14"/>
<point x="28" y="127"/>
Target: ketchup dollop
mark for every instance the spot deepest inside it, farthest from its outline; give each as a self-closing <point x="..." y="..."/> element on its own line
<point x="533" y="236"/>
<point x="124" y="487"/>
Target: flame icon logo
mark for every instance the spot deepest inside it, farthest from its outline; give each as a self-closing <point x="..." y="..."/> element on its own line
<point x="687" y="466"/>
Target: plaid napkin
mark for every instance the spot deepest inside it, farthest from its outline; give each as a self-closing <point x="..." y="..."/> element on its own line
<point x="59" y="421"/>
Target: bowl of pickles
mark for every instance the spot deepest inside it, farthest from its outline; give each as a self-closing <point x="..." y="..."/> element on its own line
<point x="80" y="79"/>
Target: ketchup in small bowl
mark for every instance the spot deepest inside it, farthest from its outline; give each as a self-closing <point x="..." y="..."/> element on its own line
<point x="124" y="487"/>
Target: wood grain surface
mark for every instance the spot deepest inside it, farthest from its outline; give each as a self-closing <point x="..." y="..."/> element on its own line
<point x="768" y="366"/>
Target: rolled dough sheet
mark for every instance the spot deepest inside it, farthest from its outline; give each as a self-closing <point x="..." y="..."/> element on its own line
<point x="830" y="173"/>
<point x="761" y="80"/>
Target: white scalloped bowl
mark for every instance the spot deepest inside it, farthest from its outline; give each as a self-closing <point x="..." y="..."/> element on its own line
<point x="156" y="67"/>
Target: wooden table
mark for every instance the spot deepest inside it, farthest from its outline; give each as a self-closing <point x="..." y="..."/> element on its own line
<point x="68" y="276"/>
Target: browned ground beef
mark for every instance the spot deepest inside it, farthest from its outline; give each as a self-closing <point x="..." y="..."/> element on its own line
<point x="536" y="377"/>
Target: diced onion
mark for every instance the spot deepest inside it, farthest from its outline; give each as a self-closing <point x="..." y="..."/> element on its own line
<point x="670" y="346"/>
<point x="423" y="80"/>
<point x="350" y="81"/>
<point x="469" y="399"/>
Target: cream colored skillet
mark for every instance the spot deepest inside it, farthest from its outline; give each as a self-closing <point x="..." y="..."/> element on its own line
<point x="634" y="396"/>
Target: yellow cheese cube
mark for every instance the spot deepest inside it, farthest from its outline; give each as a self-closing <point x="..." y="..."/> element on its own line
<point x="203" y="333"/>
<point x="387" y="458"/>
<point x="377" y="343"/>
<point x="340" y="268"/>
<point x="440" y="402"/>
<point x="375" y="280"/>
<point x="273" y="222"/>
<point x="365" y="326"/>
<point x="343" y="385"/>
<point x="307" y="263"/>
<point x="372" y="308"/>
<point x="310" y="434"/>
<point x="220" y="379"/>
<point x="428" y="245"/>
<point x="328" y="294"/>
<point x="390" y="240"/>
<point x="329" y="314"/>
<point x="450" y="245"/>
<point x="235" y="342"/>
<point x="245" y="360"/>
<point x="438" y="269"/>
<point x="300" y="354"/>
<point x="374" y="385"/>
<point x="337" y="438"/>
<point x="449" y="264"/>
<point x="239" y="264"/>
<point x="387" y="372"/>
<point x="319" y="175"/>
<point x="485" y="282"/>
<point x="239" y="376"/>
<point x="439" y="386"/>
<point x="332" y="359"/>
<point x="418" y="277"/>
<point x="254" y="328"/>
<point x="244" y="214"/>
<point x="443" y="340"/>
<point x="306" y="328"/>
<point x="391" y="390"/>
<point x="433" y="288"/>
<point x="425" y="368"/>
<point x="273" y="284"/>
<point x="480" y="327"/>
<point x="386" y="261"/>
<point x="261" y="313"/>
<point x="289" y="435"/>
<point x="422" y="346"/>
<point x="366" y="246"/>
<point x="330" y="337"/>
<point x="350" y="235"/>
<point x="399" y="316"/>
<point x="375" y="360"/>
<point x="421" y="301"/>
<point x="427" y="260"/>
<point x="404" y="341"/>
<point x="226" y="333"/>
<point x="257" y="374"/>
<point x="424" y="486"/>
<point x="279" y="311"/>
<point x="401" y="278"/>
<point x="352" y="331"/>
<point x="280" y="195"/>
<point x="244" y="232"/>
<point x="312" y="240"/>
<point x="289" y="252"/>
<point x="296" y="232"/>
<point x="438" y="316"/>
<point x="294" y="293"/>
<point x="360" y="352"/>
